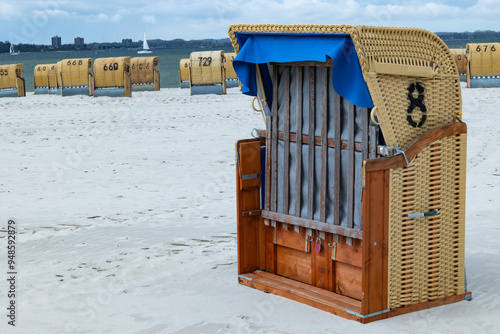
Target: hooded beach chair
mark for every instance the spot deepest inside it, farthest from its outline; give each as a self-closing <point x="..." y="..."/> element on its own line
<point x="352" y="199"/>
<point x="11" y="81"/>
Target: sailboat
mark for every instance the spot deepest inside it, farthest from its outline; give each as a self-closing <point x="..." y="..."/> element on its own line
<point x="145" y="46"/>
<point x="12" y="52"/>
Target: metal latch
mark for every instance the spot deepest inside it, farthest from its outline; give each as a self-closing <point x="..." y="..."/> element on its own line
<point x="334" y="251"/>
<point x="398" y="152"/>
<point x="423" y="214"/>
<point x="309" y="239"/>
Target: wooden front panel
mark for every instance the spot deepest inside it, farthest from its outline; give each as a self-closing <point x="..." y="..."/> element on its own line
<point x="333" y="266"/>
<point x="348" y="280"/>
<point x="349" y="254"/>
<point x="294" y="264"/>
<point x="290" y="238"/>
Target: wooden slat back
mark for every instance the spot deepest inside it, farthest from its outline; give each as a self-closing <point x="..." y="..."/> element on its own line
<point x="304" y="105"/>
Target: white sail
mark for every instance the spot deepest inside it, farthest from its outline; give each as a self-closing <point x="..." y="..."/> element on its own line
<point x="145" y="46"/>
<point x="12" y="52"/>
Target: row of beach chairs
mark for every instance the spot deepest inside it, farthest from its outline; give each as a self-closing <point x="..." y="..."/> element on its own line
<point x="479" y="64"/>
<point x="116" y="76"/>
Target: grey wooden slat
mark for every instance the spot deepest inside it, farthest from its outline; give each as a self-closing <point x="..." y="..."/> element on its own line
<point x="324" y="142"/>
<point x="286" y="150"/>
<point x="268" y="190"/>
<point x="298" y="146"/>
<point x="373" y="142"/>
<point x="312" y="120"/>
<point x="351" y="119"/>
<point x="267" y="201"/>
<point x="337" y="175"/>
<point x="364" y="133"/>
<point x="274" y="145"/>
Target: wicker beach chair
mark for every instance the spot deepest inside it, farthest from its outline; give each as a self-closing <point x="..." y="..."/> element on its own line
<point x="483" y="66"/>
<point x="112" y="77"/>
<point x="144" y="73"/>
<point x="45" y="79"/>
<point x="206" y="73"/>
<point x="362" y="211"/>
<point x="11" y="81"/>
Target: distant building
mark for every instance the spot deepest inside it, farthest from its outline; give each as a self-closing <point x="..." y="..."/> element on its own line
<point x="127" y="42"/>
<point x="79" y="42"/>
<point x="56" y="41"/>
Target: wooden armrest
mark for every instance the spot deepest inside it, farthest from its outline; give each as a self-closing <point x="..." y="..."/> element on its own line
<point x="399" y="161"/>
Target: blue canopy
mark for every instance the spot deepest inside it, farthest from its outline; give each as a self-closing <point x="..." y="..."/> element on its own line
<point x="262" y="48"/>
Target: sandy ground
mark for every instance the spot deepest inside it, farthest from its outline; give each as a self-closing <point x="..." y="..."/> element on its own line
<point x="125" y="217"/>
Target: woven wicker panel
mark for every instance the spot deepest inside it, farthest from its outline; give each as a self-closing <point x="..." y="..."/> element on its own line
<point x="397" y="58"/>
<point x="184" y="70"/>
<point x="426" y="255"/>
<point x="142" y="69"/>
<point x="484" y="59"/>
<point x="461" y="59"/>
<point x="9" y="74"/>
<point x="440" y="97"/>
<point x="44" y="75"/>
<point x="392" y="59"/>
<point x="207" y="68"/>
<point x="109" y="72"/>
<point x="228" y="65"/>
<point x="74" y="72"/>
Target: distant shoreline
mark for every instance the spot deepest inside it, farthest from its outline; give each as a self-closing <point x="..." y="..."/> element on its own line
<point x="177" y="44"/>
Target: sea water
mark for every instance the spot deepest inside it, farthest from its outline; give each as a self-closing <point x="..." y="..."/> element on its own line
<point x="168" y="61"/>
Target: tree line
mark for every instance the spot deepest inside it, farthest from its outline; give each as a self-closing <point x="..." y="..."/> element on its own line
<point x="154" y="43"/>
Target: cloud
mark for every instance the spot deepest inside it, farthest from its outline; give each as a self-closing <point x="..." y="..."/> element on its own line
<point x="101" y="17"/>
<point x="148" y="19"/>
<point x="53" y="13"/>
<point x="210" y="19"/>
<point x="8" y="11"/>
<point x="115" y="18"/>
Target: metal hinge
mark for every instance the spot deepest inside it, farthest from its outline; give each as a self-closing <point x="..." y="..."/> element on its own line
<point x="363" y="174"/>
<point x="245" y="278"/>
<point x="367" y="315"/>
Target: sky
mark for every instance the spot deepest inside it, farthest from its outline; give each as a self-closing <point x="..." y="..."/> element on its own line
<point x="35" y="22"/>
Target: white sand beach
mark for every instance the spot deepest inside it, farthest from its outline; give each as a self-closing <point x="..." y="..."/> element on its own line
<point x="125" y="217"/>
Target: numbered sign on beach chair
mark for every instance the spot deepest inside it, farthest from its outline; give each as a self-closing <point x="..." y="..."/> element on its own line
<point x="206" y="73"/>
<point x="483" y="69"/>
<point x="231" y="77"/>
<point x="352" y="199"/>
<point x="12" y="81"/>
<point x="45" y="79"/>
<point x="144" y="73"/>
<point x="74" y="77"/>
<point x="460" y="56"/>
<point x="112" y="77"/>
<point x="184" y="73"/>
